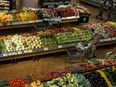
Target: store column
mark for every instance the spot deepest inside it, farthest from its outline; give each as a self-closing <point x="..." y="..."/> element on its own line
<point x="30" y="3"/>
<point x="18" y="5"/>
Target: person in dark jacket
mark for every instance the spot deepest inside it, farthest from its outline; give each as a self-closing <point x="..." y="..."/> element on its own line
<point x="108" y="5"/>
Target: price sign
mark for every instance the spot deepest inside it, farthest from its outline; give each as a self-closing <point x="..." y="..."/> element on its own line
<point x="5" y="54"/>
<point x="71" y="17"/>
<point x="31" y="21"/>
<point x="46" y="48"/>
<point x="105" y="39"/>
<point x="26" y="51"/>
<point x="11" y="53"/>
<point x="30" y="51"/>
<point x="38" y="20"/>
<point x="109" y="39"/>
<point x="60" y="46"/>
<point x="19" y="52"/>
<point x="8" y="24"/>
<point x="14" y="53"/>
<point x="113" y="38"/>
<point x="101" y="40"/>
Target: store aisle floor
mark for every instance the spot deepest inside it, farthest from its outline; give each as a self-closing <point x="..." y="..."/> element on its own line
<point x="24" y="68"/>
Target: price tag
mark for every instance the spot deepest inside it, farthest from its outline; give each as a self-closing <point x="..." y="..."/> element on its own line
<point x="14" y="53"/>
<point x="5" y="54"/>
<point x="113" y="38"/>
<point x="46" y="48"/>
<point x="101" y="40"/>
<point x="105" y="39"/>
<point x="8" y="24"/>
<point x="19" y="52"/>
<point x="11" y="53"/>
<point x="16" y="23"/>
<point x="38" y="20"/>
<point x="109" y="39"/>
<point x="30" y="51"/>
<point x="31" y="21"/>
<point x="60" y="46"/>
<point x="71" y="17"/>
<point x="26" y="51"/>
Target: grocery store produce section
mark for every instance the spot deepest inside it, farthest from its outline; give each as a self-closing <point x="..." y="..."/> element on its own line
<point x="12" y="47"/>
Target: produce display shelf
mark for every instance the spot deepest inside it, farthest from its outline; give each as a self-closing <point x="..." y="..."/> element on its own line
<point x="47" y="50"/>
<point x="94" y="69"/>
<point x="36" y="22"/>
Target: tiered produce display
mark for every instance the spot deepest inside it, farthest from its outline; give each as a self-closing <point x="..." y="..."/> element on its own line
<point x="40" y="13"/>
<point x="81" y="75"/>
<point x="111" y="28"/>
<point x="68" y="80"/>
<point x="23" y="16"/>
<point x="54" y="37"/>
<point x="29" y="41"/>
<point x="36" y="14"/>
<point x="73" y="37"/>
<point x="66" y="12"/>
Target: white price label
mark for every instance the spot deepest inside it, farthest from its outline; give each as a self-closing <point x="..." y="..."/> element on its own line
<point x="26" y="51"/>
<point x="10" y="53"/>
<point x="8" y="24"/>
<point x="5" y="54"/>
<point x="60" y="46"/>
<point x="113" y="38"/>
<point x="38" y="20"/>
<point x="19" y="52"/>
<point x="105" y="39"/>
<point x="101" y="40"/>
<point x="109" y="39"/>
<point x="15" y="23"/>
<point x="30" y="51"/>
<point x="31" y="21"/>
<point x="46" y="48"/>
<point x="14" y="53"/>
<point x="72" y="17"/>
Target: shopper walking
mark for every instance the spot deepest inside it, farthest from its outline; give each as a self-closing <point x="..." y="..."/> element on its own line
<point x="94" y="42"/>
<point x="108" y="5"/>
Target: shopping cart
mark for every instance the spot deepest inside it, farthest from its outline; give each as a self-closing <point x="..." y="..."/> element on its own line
<point x="81" y="51"/>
